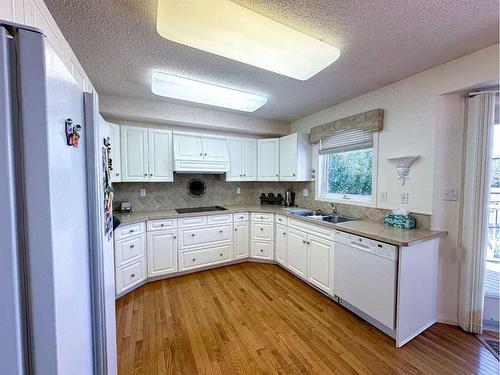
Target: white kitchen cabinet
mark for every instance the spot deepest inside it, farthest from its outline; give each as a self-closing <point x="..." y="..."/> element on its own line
<point x="269" y="159"/>
<point x="114" y="137"/>
<point x="296" y="252"/>
<point x="130" y="276"/>
<point x="200" y="153"/>
<point x="262" y="235"/>
<point x="241" y="239"/>
<point x="146" y="154"/>
<point x="295" y="158"/>
<point x="134" y="150"/>
<point x="160" y="155"/>
<point x="280" y="243"/>
<point x="320" y="263"/>
<point x="162" y="252"/>
<point x="242" y="159"/>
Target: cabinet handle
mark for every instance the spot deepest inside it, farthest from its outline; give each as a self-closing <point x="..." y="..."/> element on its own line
<point x="174" y="237"/>
<point x="262" y="217"/>
<point x="304" y="241"/>
<point x="117" y="174"/>
<point x="241" y="175"/>
<point x="261" y="228"/>
<point x="261" y="250"/>
<point x="235" y="229"/>
<point x="242" y="217"/>
<point x="284" y="233"/>
<point x="206" y="154"/>
<point x="201" y="153"/>
<point x="151" y="175"/>
<point x="194" y="259"/>
<point x="308" y="243"/>
<point x="162" y="225"/>
<point x="145" y="174"/>
<point x="244" y="175"/>
<point x="132" y="275"/>
<point x="192" y="235"/>
<point x="131" y="231"/>
<point x="277" y="175"/>
<point x="220" y="231"/>
<point x="220" y="254"/>
<point x="132" y="246"/>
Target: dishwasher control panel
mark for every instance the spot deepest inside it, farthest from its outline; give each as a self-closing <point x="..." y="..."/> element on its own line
<point x="380" y="249"/>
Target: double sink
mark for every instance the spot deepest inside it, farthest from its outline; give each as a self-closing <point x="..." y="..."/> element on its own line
<point x="319" y="215"/>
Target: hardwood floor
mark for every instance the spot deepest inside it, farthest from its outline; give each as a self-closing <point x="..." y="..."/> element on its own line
<point x="256" y="318"/>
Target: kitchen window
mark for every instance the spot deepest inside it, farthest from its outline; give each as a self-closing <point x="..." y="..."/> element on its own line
<point x="348" y="167"/>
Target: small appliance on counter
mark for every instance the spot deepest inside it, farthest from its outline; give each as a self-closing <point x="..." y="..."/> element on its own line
<point x="125" y="208"/>
<point x="271" y="199"/>
<point x="289" y="198"/>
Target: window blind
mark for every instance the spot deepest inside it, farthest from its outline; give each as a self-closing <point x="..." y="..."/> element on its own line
<point x="347" y="140"/>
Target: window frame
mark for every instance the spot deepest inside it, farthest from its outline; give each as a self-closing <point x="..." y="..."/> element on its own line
<point x="352" y="199"/>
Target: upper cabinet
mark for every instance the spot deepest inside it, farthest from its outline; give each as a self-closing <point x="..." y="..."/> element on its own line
<point x="200" y="153"/>
<point x="242" y="159"/>
<point x="295" y="157"/>
<point x="269" y="159"/>
<point x="116" y="160"/>
<point x="146" y="154"/>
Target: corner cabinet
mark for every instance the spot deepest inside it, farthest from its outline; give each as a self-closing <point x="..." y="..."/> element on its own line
<point x="146" y="154"/>
<point x="295" y="158"/>
<point x="269" y="159"/>
<point x="242" y="159"/>
<point x="200" y="153"/>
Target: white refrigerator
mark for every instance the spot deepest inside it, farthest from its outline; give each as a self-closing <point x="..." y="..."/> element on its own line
<point x="56" y="271"/>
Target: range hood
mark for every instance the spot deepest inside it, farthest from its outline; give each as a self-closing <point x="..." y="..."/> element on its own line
<point x="196" y="153"/>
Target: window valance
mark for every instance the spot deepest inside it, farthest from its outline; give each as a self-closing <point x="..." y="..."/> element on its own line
<point x="370" y="121"/>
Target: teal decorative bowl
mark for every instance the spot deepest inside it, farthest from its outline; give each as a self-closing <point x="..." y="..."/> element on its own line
<point x="400" y="221"/>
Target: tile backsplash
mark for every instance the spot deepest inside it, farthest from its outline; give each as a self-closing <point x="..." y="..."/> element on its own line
<point x="169" y="195"/>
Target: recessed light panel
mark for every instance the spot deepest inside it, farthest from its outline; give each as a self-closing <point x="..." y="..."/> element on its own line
<point x="230" y="30"/>
<point x="173" y="86"/>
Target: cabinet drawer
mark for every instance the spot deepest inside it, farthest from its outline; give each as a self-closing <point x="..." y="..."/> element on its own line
<point x="261" y="217"/>
<point x="262" y="231"/>
<point x="128" y="250"/>
<point x="241" y="216"/>
<point x="310" y="228"/>
<point x="262" y="249"/>
<point x="281" y="219"/>
<point x="219" y="219"/>
<point x="130" y="275"/>
<point x="161" y="224"/>
<point x="204" y="257"/>
<point x="186" y="222"/>
<point x="129" y="230"/>
<point x="205" y="236"/>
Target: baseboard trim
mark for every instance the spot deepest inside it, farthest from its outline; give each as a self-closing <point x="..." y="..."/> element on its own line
<point x="447" y="319"/>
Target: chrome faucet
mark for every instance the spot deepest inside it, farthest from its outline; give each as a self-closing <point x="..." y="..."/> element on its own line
<point x="334" y="209"/>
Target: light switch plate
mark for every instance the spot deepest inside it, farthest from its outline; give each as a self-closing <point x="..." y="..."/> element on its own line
<point x="449" y="194"/>
<point x="305" y="192"/>
<point x="238" y="190"/>
<point x="383" y="197"/>
<point x="404" y="198"/>
<point x="143" y="192"/>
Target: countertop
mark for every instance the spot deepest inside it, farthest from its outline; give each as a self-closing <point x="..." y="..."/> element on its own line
<point x="371" y="229"/>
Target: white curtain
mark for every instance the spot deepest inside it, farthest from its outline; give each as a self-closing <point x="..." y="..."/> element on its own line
<point x="476" y="189"/>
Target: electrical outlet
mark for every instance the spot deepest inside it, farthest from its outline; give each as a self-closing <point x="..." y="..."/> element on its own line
<point x="143" y="192"/>
<point x="404" y="198"/>
<point x="238" y="190"/>
<point x="383" y="197"/>
<point x="305" y="192"/>
<point x="449" y="194"/>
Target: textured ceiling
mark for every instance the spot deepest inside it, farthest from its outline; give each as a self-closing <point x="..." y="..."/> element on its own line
<point x="380" y="41"/>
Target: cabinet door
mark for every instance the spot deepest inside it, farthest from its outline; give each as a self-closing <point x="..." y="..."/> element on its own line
<point x="320" y="263"/>
<point x="187" y="147"/>
<point x="235" y="160"/>
<point x="162" y="252"/>
<point x="281" y="236"/>
<point x="296" y="252"/>
<point x="215" y="149"/>
<point x="160" y="155"/>
<point x="288" y="157"/>
<point x="114" y="136"/>
<point x="241" y="240"/>
<point x="134" y="150"/>
<point x="249" y="159"/>
<point x="268" y="157"/>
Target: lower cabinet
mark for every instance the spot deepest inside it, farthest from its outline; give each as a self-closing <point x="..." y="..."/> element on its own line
<point x="280" y="243"/>
<point x="262" y="232"/>
<point x="130" y="275"/>
<point x="320" y="263"/>
<point x="262" y="249"/>
<point x="296" y="252"/>
<point x="162" y="252"/>
<point x="241" y="240"/>
<point x="190" y="259"/>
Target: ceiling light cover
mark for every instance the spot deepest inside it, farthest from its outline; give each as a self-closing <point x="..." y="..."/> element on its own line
<point x="182" y="88"/>
<point x="230" y="30"/>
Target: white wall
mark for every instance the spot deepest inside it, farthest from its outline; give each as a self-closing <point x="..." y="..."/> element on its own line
<point x="160" y="112"/>
<point x="422" y="118"/>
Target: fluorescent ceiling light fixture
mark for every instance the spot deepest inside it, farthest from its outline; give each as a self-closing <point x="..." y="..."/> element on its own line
<point x="230" y="30"/>
<point x="177" y="87"/>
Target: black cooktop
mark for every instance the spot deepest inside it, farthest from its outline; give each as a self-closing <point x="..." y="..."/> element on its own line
<point x="190" y="210"/>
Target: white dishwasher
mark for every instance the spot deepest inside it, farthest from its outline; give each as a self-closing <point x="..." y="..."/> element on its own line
<point x="365" y="276"/>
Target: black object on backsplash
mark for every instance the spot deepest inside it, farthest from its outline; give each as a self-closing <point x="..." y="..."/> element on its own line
<point x="196" y="187"/>
<point x="271" y="199"/>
